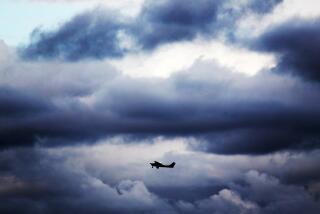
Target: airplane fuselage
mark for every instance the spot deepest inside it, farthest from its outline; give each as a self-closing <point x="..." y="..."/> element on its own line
<point x="158" y="165"/>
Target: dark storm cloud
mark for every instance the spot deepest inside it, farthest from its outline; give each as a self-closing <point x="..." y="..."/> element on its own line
<point x="230" y="112"/>
<point x="16" y="103"/>
<point x="88" y="35"/>
<point x="266" y="139"/>
<point x="170" y="21"/>
<point x="44" y="181"/>
<point x="98" y="34"/>
<point x="297" y="44"/>
<point x="17" y="107"/>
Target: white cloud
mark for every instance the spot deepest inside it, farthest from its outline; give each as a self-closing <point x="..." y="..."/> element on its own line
<point x="179" y="56"/>
<point x="254" y="24"/>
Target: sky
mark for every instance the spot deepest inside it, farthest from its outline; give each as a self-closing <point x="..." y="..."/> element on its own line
<point x="92" y="91"/>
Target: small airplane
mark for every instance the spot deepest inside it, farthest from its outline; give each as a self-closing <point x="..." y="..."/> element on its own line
<point x="157" y="165"/>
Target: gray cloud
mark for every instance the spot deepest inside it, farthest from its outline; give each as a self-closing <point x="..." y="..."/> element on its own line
<point x="230" y="112"/>
<point x="171" y="21"/>
<point x="17" y="103"/>
<point x="263" y="6"/>
<point x="98" y="34"/>
<point x="65" y="189"/>
<point x="88" y="35"/>
<point x="60" y="180"/>
<point x="296" y="42"/>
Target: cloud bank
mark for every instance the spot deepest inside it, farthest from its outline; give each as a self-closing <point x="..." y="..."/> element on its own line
<point x="99" y="34"/>
<point x="74" y="181"/>
<point x="230" y="113"/>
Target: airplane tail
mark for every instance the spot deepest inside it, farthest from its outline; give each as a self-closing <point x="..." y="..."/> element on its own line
<point x="172" y="164"/>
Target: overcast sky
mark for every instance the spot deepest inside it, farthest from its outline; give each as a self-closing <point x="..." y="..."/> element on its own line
<point x="92" y="91"/>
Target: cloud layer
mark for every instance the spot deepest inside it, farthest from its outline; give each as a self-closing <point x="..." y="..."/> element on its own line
<point x="99" y="34"/>
<point x="230" y="113"/>
<point x="77" y="179"/>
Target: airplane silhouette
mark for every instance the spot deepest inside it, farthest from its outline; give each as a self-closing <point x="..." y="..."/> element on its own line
<point x="157" y="165"/>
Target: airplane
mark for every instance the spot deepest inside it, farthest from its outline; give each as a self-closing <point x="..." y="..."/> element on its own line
<point x="157" y="165"/>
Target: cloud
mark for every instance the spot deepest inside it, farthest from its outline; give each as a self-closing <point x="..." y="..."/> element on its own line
<point x="88" y="35"/>
<point x="5" y="53"/>
<point x="263" y="193"/>
<point x="166" y="21"/>
<point x="101" y="34"/>
<point x="280" y="198"/>
<point x="230" y="113"/>
<point x="170" y="21"/>
<point x="264" y="6"/>
<point x="297" y="45"/>
<point x="54" y="80"/>
<point x="16" y="103"/>
<point x="226" y="201"/>
<point x="84" y="179"/>
<point x="65" y="190"/>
